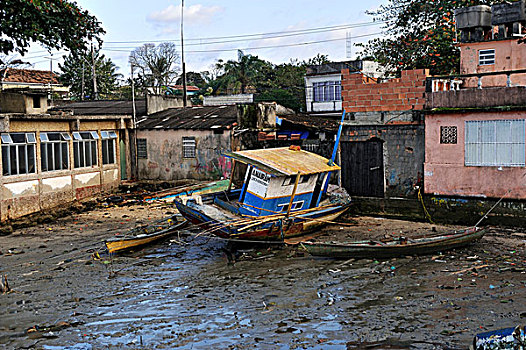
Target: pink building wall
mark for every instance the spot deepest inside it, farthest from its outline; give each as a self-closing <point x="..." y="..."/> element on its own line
<point x="509" y="55"/>
<point x="444" y="169"/>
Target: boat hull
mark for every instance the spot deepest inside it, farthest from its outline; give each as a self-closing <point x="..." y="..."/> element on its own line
<point x="117" y="245"/>
<point x="360" y="250"/>
<point x="275" y="230"/>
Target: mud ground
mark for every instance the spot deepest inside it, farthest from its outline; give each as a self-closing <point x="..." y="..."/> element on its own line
<point x="185" y="293"/>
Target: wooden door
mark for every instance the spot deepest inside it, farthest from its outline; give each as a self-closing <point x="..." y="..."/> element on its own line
<point x="363" y="168"/>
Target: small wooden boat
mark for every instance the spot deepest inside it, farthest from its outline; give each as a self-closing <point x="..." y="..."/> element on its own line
<point x="273" y="194"/>
<point x="146" y="234"/>
<point x="396" y="247"/>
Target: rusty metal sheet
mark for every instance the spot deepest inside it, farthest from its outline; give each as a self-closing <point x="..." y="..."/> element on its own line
<point x="286" y="161"/>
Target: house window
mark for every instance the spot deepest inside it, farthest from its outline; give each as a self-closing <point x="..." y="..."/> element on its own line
<point x="327" y="91"/>
<point x="108" y="146"/>
<point x="18" y="153"/>
<point x="36" y="101"/>
<point x="495" y="143"/>
<point x="486" y="57"/>
<point x="142" y="149"/>
<point x="189" y="147"/>
<point x="85" y="149"/>
<point x="54" y="151"/>
<point x="448" y="134"/>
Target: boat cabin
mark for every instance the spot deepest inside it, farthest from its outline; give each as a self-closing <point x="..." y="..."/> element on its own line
<point x="281" y="180"/>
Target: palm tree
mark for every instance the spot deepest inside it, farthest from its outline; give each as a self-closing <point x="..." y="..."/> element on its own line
<point x="241" y="74"/>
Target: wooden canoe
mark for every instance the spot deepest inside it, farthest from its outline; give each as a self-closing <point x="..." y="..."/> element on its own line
<point x="146" y="234"/>
<point x="396" y="247"/>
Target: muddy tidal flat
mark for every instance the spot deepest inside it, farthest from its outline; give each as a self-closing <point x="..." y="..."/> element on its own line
<point x="187" y="293"/>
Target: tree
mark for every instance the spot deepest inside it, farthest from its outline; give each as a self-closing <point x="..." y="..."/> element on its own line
<point x="77" y="68"/>
<point x="420" y="34"/>
<point x="53" y="23"/>
<point x="157" y="64"/>
<point x="239" y="75"/>
<point x="192" y="78"/>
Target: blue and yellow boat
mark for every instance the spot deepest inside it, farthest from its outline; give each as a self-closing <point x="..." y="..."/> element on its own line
<point x="283" y="192"/>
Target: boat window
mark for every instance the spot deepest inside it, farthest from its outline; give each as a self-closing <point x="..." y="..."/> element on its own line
<point x="289" y="180"/>
<point x="304" y="179"/>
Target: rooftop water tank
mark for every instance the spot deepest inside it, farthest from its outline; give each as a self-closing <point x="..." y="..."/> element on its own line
<point x="508" y="12"/>
<point x="473" y="17"/>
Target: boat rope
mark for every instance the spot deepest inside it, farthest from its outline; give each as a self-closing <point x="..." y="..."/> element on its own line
<point x="428" y="216"/>
<point x="485" y="216"/>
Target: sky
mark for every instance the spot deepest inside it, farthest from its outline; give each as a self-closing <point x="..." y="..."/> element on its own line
<point x="131" y="23"/>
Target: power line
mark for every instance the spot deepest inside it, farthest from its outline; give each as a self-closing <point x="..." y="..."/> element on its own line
<point x="262" y="47"/>
<point x="268" y="35"/>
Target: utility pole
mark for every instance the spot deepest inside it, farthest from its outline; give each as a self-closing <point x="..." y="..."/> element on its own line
<point x="82" y="82"/>
<point x="133" y="96"/>
<point x="182" y="55"/>
<point x="94" y="74"/>
<point x="50" y="76"/>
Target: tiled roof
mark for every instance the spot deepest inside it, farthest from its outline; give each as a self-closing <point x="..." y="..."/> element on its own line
<point x="113" y="107"/>
<point x="197" y="118"/>
<point x="32" y="76"/>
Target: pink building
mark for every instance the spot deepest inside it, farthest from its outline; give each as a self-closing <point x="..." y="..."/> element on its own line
<point x="475" y="133"/>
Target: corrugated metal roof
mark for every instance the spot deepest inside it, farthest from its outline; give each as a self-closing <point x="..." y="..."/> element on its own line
<point x="284" y="161"/>
<point x="198" y="118"/>
<point x="112" y="107"/>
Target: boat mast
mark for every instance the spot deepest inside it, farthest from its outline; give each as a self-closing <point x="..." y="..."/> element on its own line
<point x="337" y="142"/>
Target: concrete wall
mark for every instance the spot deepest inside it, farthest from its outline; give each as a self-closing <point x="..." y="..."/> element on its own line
<point x="444" y="169"/>
<point x="509" y="55"/>
<point x="165" y="155"/>
<point x="403" y="154"/>
<point x="479" y="98"/>
<point x="157" y="103"/>
<point x="25" y="194"/>
<point x="361" y="94"/>
<point x="19" y="103"/>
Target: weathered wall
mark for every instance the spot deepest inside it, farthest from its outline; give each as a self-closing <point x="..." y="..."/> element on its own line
<point x="361" y="94"/>
<point x="444" y="169"/>
<point x="25" y="194"/>
<point x="156" y="103"/>
<point x="446" y="210"/>
<point x="509" y="55"/>
<point x="19" y="103"/>
<point x="165" y="155"/>
<point x="479" y="98"/>
<point x="403" y="154"/>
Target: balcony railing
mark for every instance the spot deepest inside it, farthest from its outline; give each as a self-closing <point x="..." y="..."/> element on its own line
<point x="455" y="82"/>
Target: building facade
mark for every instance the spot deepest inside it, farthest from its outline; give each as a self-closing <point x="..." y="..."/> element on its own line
<point x="52" y="159"/>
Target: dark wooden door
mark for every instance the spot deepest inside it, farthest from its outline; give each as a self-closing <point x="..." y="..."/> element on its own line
<point x="363" y="168"/>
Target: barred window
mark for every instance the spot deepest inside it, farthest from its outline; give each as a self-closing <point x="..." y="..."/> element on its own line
<point x="54" y="150"/>
<point x="495" y="143"/>
<point x="486" y="57"/>
<point x="448" y="134"/>
<point x="142" y="148"/>
<point x="108" y="146"/>
<point x="85" y="149"/>
<point x="189" y="147"/>
<point x="327" y="91"/>
<point x="18" y="153"/>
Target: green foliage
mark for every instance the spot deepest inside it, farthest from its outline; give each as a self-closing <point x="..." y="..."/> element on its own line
<point x="192" y="78"/>
<point x="79" y="65"/>
<point x="419" y="34"/>
<point x="283" y="83"/>
<point x="53" y="23"/>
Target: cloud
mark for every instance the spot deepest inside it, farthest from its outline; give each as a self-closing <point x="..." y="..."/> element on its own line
<point x="195" y="14"/>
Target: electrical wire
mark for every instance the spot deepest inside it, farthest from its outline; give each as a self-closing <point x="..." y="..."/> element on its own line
<point x="267" y="35"/>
